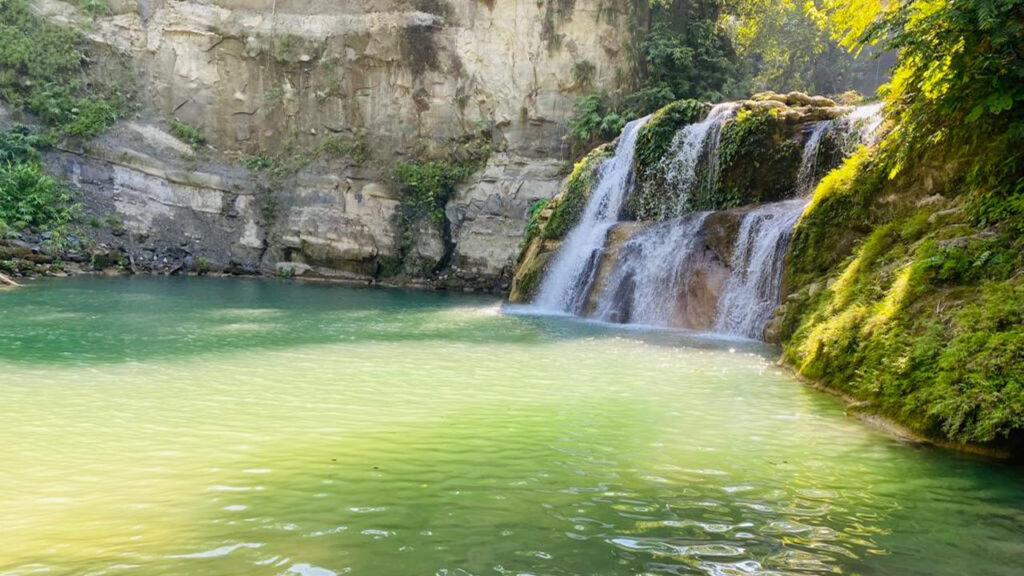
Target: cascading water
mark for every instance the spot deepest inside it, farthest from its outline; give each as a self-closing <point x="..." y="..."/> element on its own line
<point x="807" y="176"/>
<point x="653" y="264"/>
<point x="755" y="284"/>
<point x="865" y="120"/>
<point x="667" y="273"/>
<point x="688" y="147"/>
<point x="572" y="270"/>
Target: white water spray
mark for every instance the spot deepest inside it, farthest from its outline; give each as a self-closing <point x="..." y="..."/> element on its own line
<point x="650" y="273"/>
<point x="572" y="270"/>
<point x="755" y="284"/>
<point x="683" y="173"/>
<point x="807" y="176"/>
<point x="865" y="120"/>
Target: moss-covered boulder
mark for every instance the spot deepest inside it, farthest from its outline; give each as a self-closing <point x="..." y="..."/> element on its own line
<point x="655" y="137"/>
<point x="898" y="297"/>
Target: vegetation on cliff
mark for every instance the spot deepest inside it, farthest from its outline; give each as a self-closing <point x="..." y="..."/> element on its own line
<point x="568" y="206"/>
<point x="44" y="72"/>
<point x="907" y="270"/>
<point x="29" y="198"/>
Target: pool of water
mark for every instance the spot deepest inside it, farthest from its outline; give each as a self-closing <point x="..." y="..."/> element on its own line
<point x="217" y="427"/>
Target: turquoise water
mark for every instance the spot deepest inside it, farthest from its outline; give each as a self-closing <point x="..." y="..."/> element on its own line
<point x="214" y="426"/>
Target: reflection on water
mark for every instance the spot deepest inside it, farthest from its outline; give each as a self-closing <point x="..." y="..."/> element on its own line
<point x="176" y="426"/>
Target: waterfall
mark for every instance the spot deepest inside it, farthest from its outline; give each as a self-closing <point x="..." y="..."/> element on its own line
<point x="865" y="120"/>
<point x="806" y="178"/>
<point x="650" y="273"/>
<point x="565" y="287"/>
<point x="688" y="271"/>
<point x="755" y="284"/>
<point x="691" y="144"/>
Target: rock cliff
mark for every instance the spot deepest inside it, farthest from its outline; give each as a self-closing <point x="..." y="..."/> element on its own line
<point x="303" y="108"/>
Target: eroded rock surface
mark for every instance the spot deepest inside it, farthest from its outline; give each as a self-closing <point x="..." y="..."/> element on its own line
<point x="279" y="78"/>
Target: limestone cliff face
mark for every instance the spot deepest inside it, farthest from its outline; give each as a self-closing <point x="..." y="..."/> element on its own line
<point x="402" y="78"/>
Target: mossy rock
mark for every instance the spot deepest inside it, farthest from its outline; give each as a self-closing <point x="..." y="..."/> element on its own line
<point x="759" y="155"/>
<point x="568" y="206"/>
<point x="655" y="137"/>
<point x="551" y="221"/>
<point x="759" y="159"/>
<point x="652" y="197"/>
<point x="896" y="298"/>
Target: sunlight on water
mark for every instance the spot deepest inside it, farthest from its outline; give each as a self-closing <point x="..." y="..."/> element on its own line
<point x="211" y="427"/>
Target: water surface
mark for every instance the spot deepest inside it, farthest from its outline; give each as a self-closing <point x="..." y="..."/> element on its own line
<point x="215" y="427"/>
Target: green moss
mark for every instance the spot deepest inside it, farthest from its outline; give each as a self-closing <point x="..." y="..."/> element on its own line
<point x="188" y="134"/>
<point x="759" y="159"/>
<point x="655" y="137"/>
<point x="918" y="309"/>
<point x="574" y="196"/>
<point x="840" y="213"/>
<point x="533" y="225"/>
<point x="528" y="283"/>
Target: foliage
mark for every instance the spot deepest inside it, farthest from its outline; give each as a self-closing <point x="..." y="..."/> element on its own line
<point x="94" y="7"/>
<point x="714" y="50"/>
<point x="969" y="99"/>
<point x="685" y="55"/>
<point x="42" y="70"/>
<point x="918" y="242"/>
<point x="19" y="145"/>
<point x="31" y="199"/>
<point x="259" y="162"/>
<point x="189" y="134"/>
<point x="583" y="73"/>
<point x="353" y="147"/>
<point x="593" y="121"/>
<point x="426" y="186"/>
<point x="784" y="45"/>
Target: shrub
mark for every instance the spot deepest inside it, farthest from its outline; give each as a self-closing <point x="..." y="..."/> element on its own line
<point x="42" y="70"/>
<point x="258" y="162"/>
<point x="593" y="122"/>
<point x="189" y="134"/>
<point x="426" y="186"/>
<point x="31" y="199"/>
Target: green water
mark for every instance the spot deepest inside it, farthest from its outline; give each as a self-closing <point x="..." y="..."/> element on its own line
<point x="218" y="427"/>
